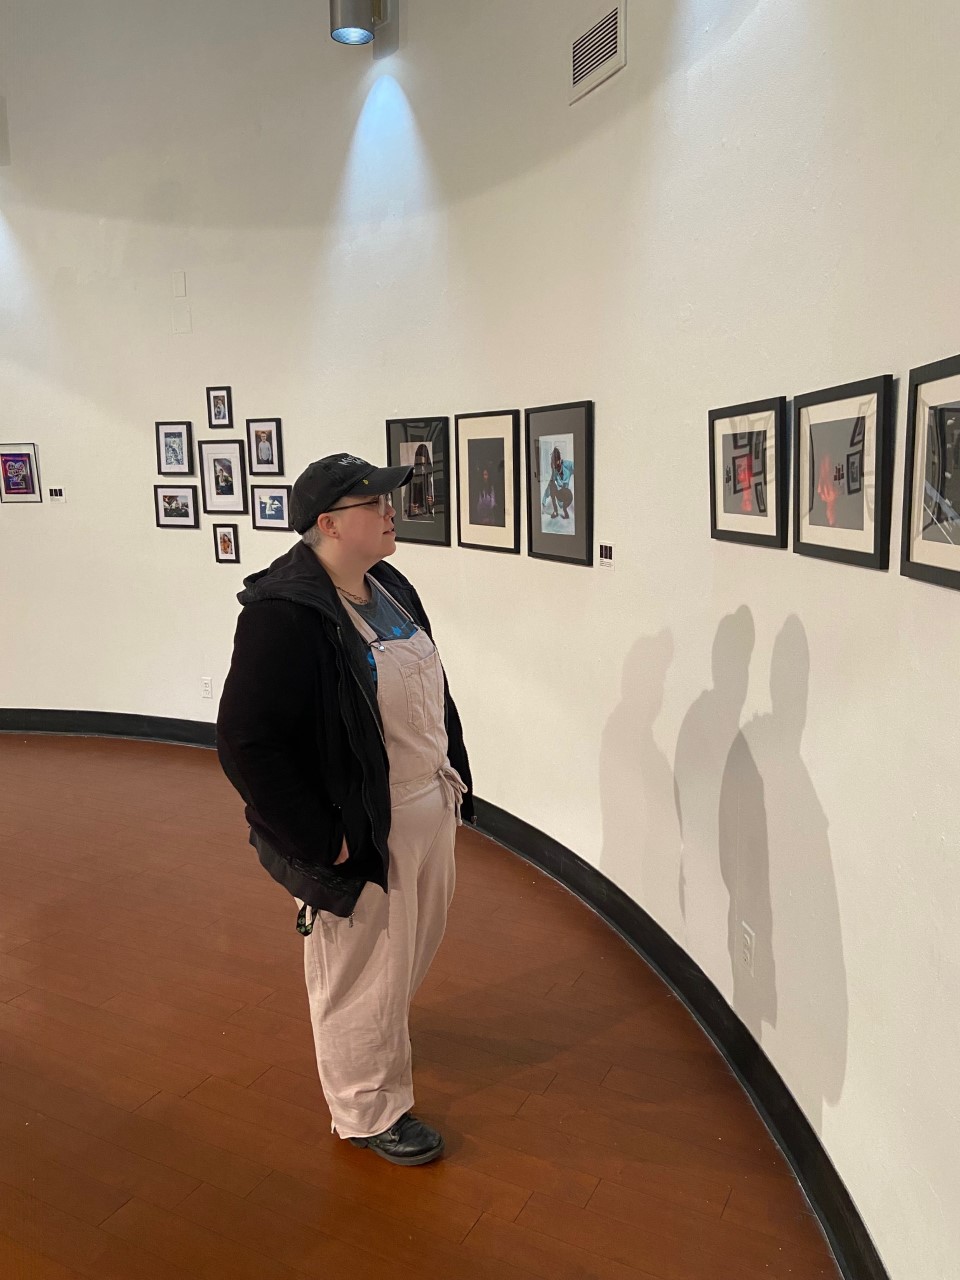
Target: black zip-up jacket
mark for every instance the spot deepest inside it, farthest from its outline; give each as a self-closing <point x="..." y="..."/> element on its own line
<point x="299" y="732"/>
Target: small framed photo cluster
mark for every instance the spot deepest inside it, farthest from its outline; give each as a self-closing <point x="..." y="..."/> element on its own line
<point x="488" y="463"/>
<point x="225" y="465"/>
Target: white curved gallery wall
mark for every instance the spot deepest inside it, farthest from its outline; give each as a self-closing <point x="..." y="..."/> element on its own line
<point x="763" y="203"/>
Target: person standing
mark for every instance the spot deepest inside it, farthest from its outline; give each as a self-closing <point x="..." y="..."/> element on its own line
<point x="337" y="728"/>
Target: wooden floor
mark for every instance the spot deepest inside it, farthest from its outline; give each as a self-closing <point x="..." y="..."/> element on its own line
<point x="160" y="1115"/>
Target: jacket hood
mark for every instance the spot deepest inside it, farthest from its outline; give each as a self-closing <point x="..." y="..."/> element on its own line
<point x="299" y="576"/>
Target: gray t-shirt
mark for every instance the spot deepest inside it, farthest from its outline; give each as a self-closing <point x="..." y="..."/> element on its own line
<point x="385" y="620"/>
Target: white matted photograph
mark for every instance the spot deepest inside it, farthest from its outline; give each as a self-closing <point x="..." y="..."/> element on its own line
<point x="843" y="473"/>
<point x="174" y="448"/>
<point x="265" y="446"/>
<point x="176" y="506"/>
<point x="226" y="543"/>
<point x="748" y="473"/>
<point x="488" y="480"/>
<point x="219" y="407"/>
<point x="223" y="476"/>
<point x="271" y="506"/>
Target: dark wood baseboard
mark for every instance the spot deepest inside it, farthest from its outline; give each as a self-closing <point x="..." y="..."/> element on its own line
<point x="855" y="1252"/>
<point x="108" y="724"/>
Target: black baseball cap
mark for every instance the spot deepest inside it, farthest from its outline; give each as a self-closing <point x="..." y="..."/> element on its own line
<point x="340" y="475"/>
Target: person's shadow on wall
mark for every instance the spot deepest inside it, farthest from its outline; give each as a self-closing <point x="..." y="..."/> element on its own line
<point x="703" y="745"/>
<point x="777" y="863"/>
<point x="641" y="843"/>
<point x="745" y="867"/>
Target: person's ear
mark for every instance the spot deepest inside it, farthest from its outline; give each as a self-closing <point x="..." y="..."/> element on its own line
<point x="327" y="525"/>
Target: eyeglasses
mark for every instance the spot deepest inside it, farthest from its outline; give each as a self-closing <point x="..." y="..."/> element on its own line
<point x="383" y="504"/>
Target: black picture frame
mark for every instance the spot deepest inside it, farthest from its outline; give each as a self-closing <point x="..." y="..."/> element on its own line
<point x="163" y="467"/>
<point x="776" y="537"/>
<point x="504" y="428"/>
<point x="935" y="575"/>
<point x="574" y="418"/>
<point x="433" y="498"/>
<point x="214" y="422"/>
<point x="20" y="474"/>
<point x="882" y="388"/>
<point x="194" y="512"/>
<point x="274" y="427"/>
<point x="270" y="526"/>
<point x="218" y="530"/>
<point x="215" y="504"/>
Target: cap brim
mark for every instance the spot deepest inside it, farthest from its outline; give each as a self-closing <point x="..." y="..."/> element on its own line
<point x="383" y="480"/>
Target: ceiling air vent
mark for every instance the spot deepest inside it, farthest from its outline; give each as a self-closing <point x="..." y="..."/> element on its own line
<point x="599" y="52"/>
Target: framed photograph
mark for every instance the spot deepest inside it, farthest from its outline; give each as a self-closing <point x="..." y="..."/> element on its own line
<point x="271" y="506"/>
<point x="226" y="543"/>
<point x="174" y="448"/>
<point x="488" y="480"/>
<point x="748" y="473"/>
<point x="265" y="446"/>
<point x="423" y="506"/>
<point x="930" y="547"/>
<point x="224" y="476"/>
<point x="19" y="473"/>
<point x="176" y="506"/>
<point x="219" y="407"/>
<point x="560" y="482"/>
<point x="843" y="472"/>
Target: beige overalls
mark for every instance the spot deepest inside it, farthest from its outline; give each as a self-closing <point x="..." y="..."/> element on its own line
<point x="362" y="973"/>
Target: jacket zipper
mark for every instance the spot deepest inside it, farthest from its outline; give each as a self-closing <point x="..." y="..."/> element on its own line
<point x="376" y="721"/>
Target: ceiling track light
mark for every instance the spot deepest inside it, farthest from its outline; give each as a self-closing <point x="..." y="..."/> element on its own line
<point x="354" y="21"/>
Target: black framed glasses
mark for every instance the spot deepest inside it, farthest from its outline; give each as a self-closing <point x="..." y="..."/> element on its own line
<point x="383" y="504"/>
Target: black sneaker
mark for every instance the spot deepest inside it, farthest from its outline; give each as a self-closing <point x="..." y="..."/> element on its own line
<point x="407" y="1141"/>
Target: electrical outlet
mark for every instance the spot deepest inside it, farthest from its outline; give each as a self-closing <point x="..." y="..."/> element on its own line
<point x="206" y="687"/>
<point x="748" y="946"/>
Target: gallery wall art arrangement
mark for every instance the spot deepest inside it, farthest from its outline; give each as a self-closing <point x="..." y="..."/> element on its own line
<point x="224" y="464"/>
<point x="839" y="439"/>
<point x="843" y="464"/>
<point x="489" y="466"/>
